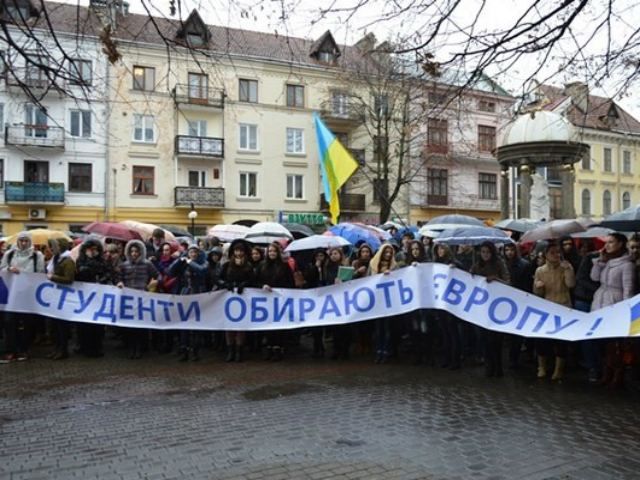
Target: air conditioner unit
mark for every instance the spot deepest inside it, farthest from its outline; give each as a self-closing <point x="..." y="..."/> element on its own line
<point x="37" y="213"/>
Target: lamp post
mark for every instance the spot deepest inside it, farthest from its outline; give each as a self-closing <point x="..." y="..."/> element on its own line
<point x="192" y="215"/>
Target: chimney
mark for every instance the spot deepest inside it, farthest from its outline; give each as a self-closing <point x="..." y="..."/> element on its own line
<point x="579" y="93"/>
<point x="108" y="10"/>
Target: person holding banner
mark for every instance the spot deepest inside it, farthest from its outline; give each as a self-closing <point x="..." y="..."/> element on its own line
<point x="315" y="275"/>
<point x="421" y="328"/>
<point x="616" y="273"/>
<point x="553" y="281"/>
<point x="341" y="333"/>
<point x="23" y="257"/>
<point x="492" y="267"/>
<point x="383" y="262"/>
<point x="61" y="269"/>
<point x="138" y="273"/>
<point x="236" y="275"/>
<point x="360" y="264"/>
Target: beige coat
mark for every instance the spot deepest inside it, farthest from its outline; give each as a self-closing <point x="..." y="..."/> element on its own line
<point x="558" y="282"/>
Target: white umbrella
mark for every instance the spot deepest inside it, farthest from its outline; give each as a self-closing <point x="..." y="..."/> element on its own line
<point x="228" y="233"/>
<point x="267" y="232"/>
<point x="317" y="241"/>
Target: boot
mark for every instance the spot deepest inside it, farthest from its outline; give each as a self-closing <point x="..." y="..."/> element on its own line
<point x="542" y="366"/>
<point x="558" y="371"/>
<point x="238" y="356"/>
<point x="231" y="353"/>
<point x="184" y="356"/>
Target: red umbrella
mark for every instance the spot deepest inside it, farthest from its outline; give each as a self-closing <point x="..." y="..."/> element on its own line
<point x="117" y="231"/>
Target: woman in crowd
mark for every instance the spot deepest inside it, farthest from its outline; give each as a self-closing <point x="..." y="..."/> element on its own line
<point x="138" y="273"/>
<point x="61" y="269"/>
<point x="363" y="330"/>
<point x="616" y="273"/>
<point x="492" y="267"/>
<point x="315" y="275"/>
<point x="553" y="281"/>
<point x="421" y="332"/>
<point x="383" y="262"/>
<point x="273" y="272"/>
<point x="236" y="275"/>
<point x="341" y="333"/>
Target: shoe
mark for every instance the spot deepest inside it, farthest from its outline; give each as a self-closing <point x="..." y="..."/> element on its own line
<point x="542" y="367"/>
<point x="51" y="355"/>
<point x="60" y="356"/>
<point x="8" y="358"/>
<point x="558" y="371"/>
<point x="21" y="357"/>
<point x="231" y="353"/>
<point x="593" y="376"/>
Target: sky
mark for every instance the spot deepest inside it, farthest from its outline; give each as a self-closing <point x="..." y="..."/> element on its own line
<point x="304" y="18"/>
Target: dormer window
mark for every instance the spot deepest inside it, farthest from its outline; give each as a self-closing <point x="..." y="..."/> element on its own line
<point x="325" y="49"/>
<point x="326" y="57"/>
<point x="195" y="40"/>
<point x="194" y="32"/>
<point x="17" y="10"/>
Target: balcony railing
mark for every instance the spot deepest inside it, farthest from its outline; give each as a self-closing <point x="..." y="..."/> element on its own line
<point x="35" y="136"/>
<point x="344" y="111"/>
<point x="199" y="197"/>
<point x="436" y="148"/>
<point x="205" y="146"/>
<point x="199" y="95"/>
<point x="349" y="202"/>
<point x="31" y="77"/>
<point x="33" y="192"/>
<point x="437" y="200"/>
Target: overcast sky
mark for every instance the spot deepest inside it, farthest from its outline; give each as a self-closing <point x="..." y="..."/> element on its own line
<point x="304" y="19"/>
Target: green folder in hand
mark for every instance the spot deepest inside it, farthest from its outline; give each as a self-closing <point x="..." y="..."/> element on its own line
<point x="346" y="273"/>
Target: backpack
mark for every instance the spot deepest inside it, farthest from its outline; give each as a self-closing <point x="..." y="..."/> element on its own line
<point x="34" y="257"/>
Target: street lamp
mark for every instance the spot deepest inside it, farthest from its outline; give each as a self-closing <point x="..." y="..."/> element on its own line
<point x="192" y="215"/>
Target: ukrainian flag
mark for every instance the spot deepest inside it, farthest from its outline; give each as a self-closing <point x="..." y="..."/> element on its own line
<point x="635" y="320"/>
<point x="336" y="165"/>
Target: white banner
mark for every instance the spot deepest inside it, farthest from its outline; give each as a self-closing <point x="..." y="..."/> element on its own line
<point x="490" y="305"/>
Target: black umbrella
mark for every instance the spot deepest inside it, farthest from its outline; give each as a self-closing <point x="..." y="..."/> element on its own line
<point x="298" y="230"/>
<point x="177" y="231"/>
<point x="519" y="225"/>
<point x="628" y="220"/>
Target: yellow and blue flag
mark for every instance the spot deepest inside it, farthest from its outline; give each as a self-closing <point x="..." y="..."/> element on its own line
<point x="336" y="165"/>
<point x="635" y="320"/>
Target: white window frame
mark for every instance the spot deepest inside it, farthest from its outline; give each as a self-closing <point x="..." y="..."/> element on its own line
<point x="141" y="124"/>
<point x="606" y="164"/>
<point x="248" y="127"/>
<point x="625" y="170"/>
<point x="81" y="123"/>
<point x="623" y="201"/>
<point x="202" y="178"/>
<point x="251" y="92"/>
<point x="199" y="126"/>
<point x="295" y="179"/>
<point x="84" y="69"/>
<point x="295" y="141"/>
<point x="245" y="182"/>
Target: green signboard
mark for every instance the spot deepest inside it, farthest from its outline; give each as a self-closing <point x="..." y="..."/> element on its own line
<point x="305" y="218"/>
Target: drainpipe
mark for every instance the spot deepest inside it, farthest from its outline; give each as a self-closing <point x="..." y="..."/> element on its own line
<point x="107" y="163"/>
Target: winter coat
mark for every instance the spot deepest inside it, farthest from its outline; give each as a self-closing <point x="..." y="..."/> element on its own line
<point x="27" y="260"/>
<point x="191" y="275"/>
<point x="617" y="281"/>
<point x="237" y="276"/>
<point x="137" y="274"/>
<point x="558" y="282"/>
<point x="275" y="273"/>
<point x="374" y="264"/>
<point x="96" y="269"/>
<point x="521" y="274"/>
<point x="214" y="270"/>
<point x="496" y="269"/>
<point x="64" y="268"/>
<point x="585" y="287"/>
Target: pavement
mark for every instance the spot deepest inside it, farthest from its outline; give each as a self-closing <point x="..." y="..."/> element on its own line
<point x="157" y="418"/>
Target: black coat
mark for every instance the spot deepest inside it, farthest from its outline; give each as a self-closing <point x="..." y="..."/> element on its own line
<point x="237" y="276"/>
<point x="96" y="269"/>
<point x="585" y="287"/>
<point x="276" y="274"/>
<point x="521" y="273"/>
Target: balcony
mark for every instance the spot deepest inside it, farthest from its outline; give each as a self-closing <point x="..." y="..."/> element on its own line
<point x="34" y="193"/>
<point x="437" y="148"/>
<point x="199" y="146"/>
<point x="201" y="95"/>
<point x="342" y="113"/>
<point x="199" y="197"/>
<point x="349" y="202"/>
<point x="35" y="136"/>
<point x="32" y="78"/>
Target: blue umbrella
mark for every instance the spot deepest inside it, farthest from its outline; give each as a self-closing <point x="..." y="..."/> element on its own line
<point x="455" y="219"/>
<point x="410" y="229"/>
<point x="356" y="234"/>
<point x="472" y="236"/>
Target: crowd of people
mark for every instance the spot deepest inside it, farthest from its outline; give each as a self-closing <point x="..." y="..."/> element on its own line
<point x="582" y="278"/>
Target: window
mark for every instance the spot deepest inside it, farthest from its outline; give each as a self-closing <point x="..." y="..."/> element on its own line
<point x="35" y="74"/>
<point x="437" y="186"/>
<point x="198" y="86"/>
<point x="606" y="203"/>
<point x="380" y="148"/>
<point x="143" y="129"/>
<point x="488" y="183"/>
<point x="381" y="106"/>
<point x="486" y="106"/>
<point x="486" y="138"/>
<point x="339" y="104"/>
<point x="81" y="72"/>
<point x="79" y="177"/>
<point x="295" y="96"/>
<point x="248" y="184"/>
<point x="437" y="134"/>
<point x="626" y="162"/>
<point x="35" y="121"/>
<point x="36" y="172"/>
<point x="248" y="90"/>
<point x="198" y="128"/>
<point x="81" y="123"/>
<point x="380" y="190"/>
<point x="326" y="57"/>
<point x="586" y="162"/>
<point x="436" y="98"/>
<point x="3" y="62"/>
<point x="586" y="202"/>
<point x="555" y="202"/>
<point x="144" y="78"/>
<point x="1" y="173"/>
<point x="248" y="137"/>
<point x="2" y="116"/>
<point x="607" y="160"/>
<point x="626" y="200"/>
<point x="197" y="178"/>
<point x="295" y="187"/>
<point x="143" y="180"/>
<point x="295" y="140"/>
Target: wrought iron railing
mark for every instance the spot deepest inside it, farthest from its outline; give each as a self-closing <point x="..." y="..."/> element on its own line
<point x="33" y="192"/>
<point x="192" y="145"/>
<point x="199" y="197"/>
<point x="199" y="95"/>
<point x="35" y="136"/>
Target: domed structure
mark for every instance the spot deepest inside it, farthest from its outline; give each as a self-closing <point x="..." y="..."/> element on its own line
<point x="540" y="126"/>
<point x="539" y="138"/>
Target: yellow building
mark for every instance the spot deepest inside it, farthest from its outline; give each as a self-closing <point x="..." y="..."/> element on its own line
<point x="609" y="180"/>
